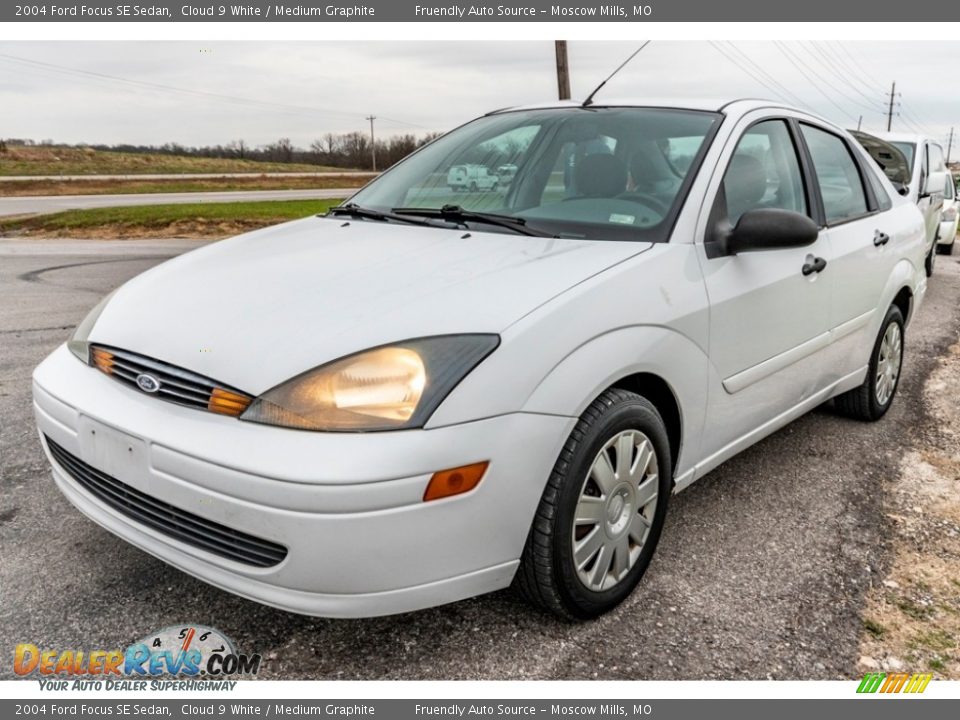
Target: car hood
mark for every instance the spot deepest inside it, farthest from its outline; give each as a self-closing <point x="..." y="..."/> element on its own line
<point x="260" y="308"/>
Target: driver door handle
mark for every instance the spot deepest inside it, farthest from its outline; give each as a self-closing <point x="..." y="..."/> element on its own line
<point x="880" y="238"/>
<point x="814" y="266"/>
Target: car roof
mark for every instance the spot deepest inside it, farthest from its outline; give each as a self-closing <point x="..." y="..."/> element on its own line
<point x="708" y="104"/>
<point x="903" y="137"/>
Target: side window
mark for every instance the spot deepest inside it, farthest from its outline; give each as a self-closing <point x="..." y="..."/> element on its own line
<point x="764" y="172"/>
<point x="879" y="191"/>
<point x="841" y="186"/>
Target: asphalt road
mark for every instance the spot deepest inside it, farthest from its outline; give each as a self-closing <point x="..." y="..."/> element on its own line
<point x="55" y="203"/>
<point x="761" y="570"/>
<point x="190" y="176"/>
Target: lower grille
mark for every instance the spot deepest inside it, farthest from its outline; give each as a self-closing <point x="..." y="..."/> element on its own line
<point x="163" y="517"/>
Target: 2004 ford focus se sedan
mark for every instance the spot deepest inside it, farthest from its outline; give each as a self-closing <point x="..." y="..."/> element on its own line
<point x="435" y="392"/>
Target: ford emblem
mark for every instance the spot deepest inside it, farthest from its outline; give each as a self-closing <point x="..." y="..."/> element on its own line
<point x="148" y="383"/>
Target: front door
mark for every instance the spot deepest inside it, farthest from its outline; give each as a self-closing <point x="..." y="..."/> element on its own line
<point x="769" y="321"/>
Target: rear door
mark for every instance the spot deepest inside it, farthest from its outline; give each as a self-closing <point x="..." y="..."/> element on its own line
<point x="768" y="321"/>
<point x="863" y="234"/>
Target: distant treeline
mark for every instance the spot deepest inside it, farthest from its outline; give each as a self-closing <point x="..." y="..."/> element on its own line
<point x="346" y="150"/>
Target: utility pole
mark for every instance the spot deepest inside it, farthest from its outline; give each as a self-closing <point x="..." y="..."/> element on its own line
<point x="859" y="123"/>
<point x="893" y="92"/>
<point x="949" y="146"/>
<point x="563" y="70"/>
<point x="373" y="143"/>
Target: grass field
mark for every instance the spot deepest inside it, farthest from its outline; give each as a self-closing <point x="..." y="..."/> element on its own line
<point x="206" y="220"/>
<point x="54" y="160"/>
<point x="21" y="188"/>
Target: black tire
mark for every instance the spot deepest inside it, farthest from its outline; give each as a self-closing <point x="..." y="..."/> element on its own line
<point x="946" y="249"/>
<point x="861" y="403"/>
<point x="931" y="261"/>
<point x="473" y="187"/>
<point x="547" y="576"/>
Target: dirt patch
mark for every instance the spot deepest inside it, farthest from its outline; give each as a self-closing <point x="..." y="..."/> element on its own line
<point x="29" y="188"/>
<point x="199" y="228"/>
<point x="912" y="618"/>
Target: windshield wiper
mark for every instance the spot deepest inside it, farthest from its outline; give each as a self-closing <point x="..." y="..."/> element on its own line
<point x="455" y="213"/>
<point x="354" y="210"/>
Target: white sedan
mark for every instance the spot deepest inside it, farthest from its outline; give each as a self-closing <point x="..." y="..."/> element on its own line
<point x="424" y="396"/>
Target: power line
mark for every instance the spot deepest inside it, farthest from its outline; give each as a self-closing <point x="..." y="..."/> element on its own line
<point x="877" y="87"/>
<point x="828" y="60"/>
<point x="764" y="73"/>
<point x="821" y="78"/>
<point x="924" y="130"/>
<point x="747" y="71"/>
<point x="829" y="99"/>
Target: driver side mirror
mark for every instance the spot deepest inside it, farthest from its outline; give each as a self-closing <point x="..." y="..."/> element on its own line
<point x="764" y="229"/>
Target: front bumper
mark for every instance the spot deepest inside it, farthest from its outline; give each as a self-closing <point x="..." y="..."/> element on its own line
<point x="348" y="507"/>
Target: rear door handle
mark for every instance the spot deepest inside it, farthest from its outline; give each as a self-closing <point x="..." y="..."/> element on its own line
<point x="880" y="238"/>
<point x="814" y="266"/>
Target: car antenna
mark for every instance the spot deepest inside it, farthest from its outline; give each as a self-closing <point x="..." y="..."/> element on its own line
<point x="589" y="99"/>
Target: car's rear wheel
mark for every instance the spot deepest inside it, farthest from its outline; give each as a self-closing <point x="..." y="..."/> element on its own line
<point x="602" y="512"/>
<point x="873" y="398"/>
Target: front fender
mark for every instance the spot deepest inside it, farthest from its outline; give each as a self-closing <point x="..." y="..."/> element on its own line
<point x="599" y="363"/>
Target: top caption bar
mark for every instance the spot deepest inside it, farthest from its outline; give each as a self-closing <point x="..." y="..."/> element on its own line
<point x="513" y="11"/>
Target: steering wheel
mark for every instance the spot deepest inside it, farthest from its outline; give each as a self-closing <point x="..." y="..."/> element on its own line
<point x="651" y="201"/>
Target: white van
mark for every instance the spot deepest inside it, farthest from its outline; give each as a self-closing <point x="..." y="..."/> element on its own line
<point x="927" y="182"/>
<point x="472" y="178"/>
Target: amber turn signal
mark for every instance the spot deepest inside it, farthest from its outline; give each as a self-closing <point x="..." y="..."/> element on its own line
<point x="103" y="360"/>
<point x="225" y="402"/>
<point x="454" y="481"/>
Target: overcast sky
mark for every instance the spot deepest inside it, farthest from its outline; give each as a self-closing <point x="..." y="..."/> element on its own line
<point x="198" y="94"/>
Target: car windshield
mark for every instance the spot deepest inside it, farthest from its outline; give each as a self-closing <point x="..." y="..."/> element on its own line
<point x="595" y="173"/>
<point x="907" y="148"/>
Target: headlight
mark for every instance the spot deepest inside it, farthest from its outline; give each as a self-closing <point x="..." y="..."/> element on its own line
<point x="78" y="343"/>
<point x="387" y="388"/>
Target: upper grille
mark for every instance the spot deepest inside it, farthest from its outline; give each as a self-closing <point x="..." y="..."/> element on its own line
<point x="172" y="383"/>
<point x="168" y="519"/>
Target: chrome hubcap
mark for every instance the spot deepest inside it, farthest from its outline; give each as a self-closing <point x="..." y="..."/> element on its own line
<point x="615" y="511"/>
<point x="888" y="364"/>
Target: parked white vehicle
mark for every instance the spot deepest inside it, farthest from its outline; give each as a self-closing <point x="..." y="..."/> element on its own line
<point x="929" y="175"/>
<point x="948" y="223"/>
<point x="409" y="402"/>
<point x="472" y="178"/>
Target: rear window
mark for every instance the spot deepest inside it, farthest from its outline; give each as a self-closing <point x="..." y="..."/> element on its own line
<point x="841" y="186"/>
<point x="908" y="149"/>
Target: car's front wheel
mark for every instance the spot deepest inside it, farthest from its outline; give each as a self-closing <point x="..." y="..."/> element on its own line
<point x="873" y="398"/>
<point x="601" y="514"/>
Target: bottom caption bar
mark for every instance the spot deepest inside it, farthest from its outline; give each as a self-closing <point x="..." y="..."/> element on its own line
<point x="873" y="707"/>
